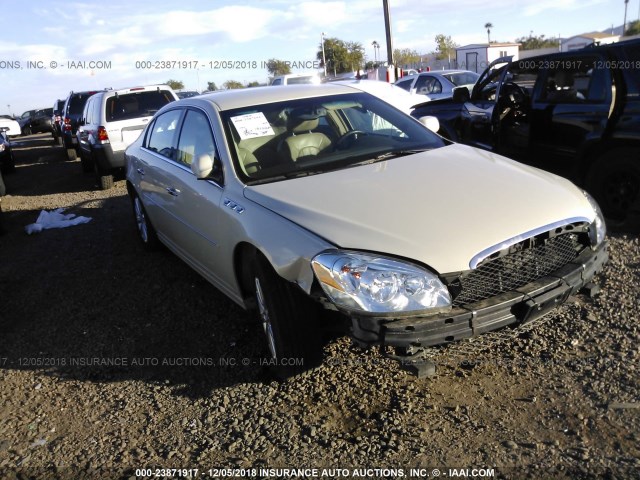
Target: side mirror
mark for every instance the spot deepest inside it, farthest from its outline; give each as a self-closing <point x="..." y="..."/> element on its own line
<point x="431" y="123"/>
<point x="202" y="166"/>
<point x="461" y="95"/>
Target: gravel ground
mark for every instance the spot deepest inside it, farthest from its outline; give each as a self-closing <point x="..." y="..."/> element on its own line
<point x="113" y="359"/>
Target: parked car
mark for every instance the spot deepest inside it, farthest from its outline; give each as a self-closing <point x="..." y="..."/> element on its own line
<point x="56" y="121"/>
<point x="71" y="113"/>
<point x="438" y="84"/>
<point x="295" y="79"/>
<point x="7" y="162"/>
<point x="24" y="121"/>
<point x="12" y="125"/>
<point x="36" y="121"/>
<point x="293" y="199"/>
<point x="111" y="120"/>
<point x="575" y="113"/>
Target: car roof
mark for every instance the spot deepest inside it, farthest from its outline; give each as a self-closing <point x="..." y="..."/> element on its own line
<point x="246" y="97"/>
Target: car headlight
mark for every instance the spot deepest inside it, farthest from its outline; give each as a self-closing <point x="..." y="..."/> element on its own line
<point x="598" y="228"/>
<point x="376" y="284"/>
<point x="2" y="147"/>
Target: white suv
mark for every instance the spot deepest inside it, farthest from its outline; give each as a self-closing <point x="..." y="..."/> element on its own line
<point x="111" y="121"/>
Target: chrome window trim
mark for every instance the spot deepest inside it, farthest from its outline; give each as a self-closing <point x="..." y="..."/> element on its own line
<point x="487" y="252"/>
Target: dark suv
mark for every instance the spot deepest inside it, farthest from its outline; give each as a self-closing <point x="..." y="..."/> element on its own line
<point x="575" y="113"/>
<point x="71" y="113"/>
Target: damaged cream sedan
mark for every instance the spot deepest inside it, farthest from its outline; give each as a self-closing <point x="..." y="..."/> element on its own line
<point x="300" y="199"/>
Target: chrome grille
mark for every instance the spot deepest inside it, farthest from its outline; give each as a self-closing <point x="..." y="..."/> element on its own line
<point x="516" y="269"/>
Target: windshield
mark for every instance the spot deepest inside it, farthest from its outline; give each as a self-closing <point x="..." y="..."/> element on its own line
<point x="462" y="78"/>
<point x="314" y="135"/>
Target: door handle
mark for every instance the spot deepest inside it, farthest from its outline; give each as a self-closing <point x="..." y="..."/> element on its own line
<point x="140" y="171"/>
<point x="173" y="191"/>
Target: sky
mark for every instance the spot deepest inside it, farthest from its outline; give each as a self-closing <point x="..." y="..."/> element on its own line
<point x="48" y="49"/>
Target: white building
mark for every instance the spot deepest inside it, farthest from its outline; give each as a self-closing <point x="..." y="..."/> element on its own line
<point x="586" y="39"/>
<point x="477" y="57"/>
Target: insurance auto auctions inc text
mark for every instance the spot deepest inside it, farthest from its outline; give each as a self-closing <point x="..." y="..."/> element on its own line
<point x="369" y="473"/>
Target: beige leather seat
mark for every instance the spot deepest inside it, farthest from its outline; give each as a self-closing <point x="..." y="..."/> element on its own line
<point x="303" y="141"/>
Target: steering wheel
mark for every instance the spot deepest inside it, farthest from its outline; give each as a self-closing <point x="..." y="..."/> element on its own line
<point x="515" y="93"/>
<point x="341" y="142"/>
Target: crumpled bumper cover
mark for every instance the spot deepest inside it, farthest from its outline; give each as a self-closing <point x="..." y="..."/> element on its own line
<point x="515" y="307"/>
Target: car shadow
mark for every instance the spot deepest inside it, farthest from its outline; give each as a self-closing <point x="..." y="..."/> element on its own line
<point x="89" y="303"/>
<point x="33" y="154"/>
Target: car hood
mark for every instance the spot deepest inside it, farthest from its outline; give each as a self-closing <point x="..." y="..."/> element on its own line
<point x="440" y="207"/>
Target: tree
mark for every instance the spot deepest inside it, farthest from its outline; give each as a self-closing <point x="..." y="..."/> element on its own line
<point x="277" y="67"/>
<point x="253" y="84"/>
<point x="405" y="57"/>
<point x="211" y="87"/>
<point x="533" y="42"/>
<point x="445" y="47"/>
<point x="633" y="29"/>
<point x="341" y="56"/>
<point x="232" y="84"/>
<point x="175" y="84"/>
<point x="488" y="26"/>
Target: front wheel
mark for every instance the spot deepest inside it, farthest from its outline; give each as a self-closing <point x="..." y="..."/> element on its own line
<point x="289" y="320"/>
<point x="614" y="180"/>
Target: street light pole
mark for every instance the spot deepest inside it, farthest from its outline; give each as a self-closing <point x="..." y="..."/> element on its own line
<point x="324" y="61"/>
<point x="375" y="51"/>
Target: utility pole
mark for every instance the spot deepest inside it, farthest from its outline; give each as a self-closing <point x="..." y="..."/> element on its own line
<point x="387" y="26"/>
<point x="324" y="61"/>
<point x="624" y="24"/>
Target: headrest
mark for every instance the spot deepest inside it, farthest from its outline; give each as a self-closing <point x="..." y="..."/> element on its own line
<point x="563" y="79"/>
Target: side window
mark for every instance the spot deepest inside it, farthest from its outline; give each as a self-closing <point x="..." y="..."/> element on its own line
<point x="161" y="138"/>
<point x="277" y="81"/>
<point x="424" y="85"/>
<point x="436" y="87"/>
<point x="405" y="84"/>
<point x="196" y="138"/>
<point x="577" y="82"/>
<point x="87" y="112"/>
<point x="97" y="102"/>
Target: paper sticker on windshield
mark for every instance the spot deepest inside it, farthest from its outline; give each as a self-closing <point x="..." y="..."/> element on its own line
<point x="252" y="125"/>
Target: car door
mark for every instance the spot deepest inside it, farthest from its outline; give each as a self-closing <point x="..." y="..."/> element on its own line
<point x="479" y="116"/>
<point x="571" y="106"/>
<point x="196" y="203"/>
<point x="154" y="170"/>
<point x="192" y="205"/>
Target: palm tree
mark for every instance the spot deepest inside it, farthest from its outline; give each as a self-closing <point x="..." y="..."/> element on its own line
<point x="488" y="26"/>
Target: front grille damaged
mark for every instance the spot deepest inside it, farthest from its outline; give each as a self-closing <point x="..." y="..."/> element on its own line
<point x="523" y="263"/>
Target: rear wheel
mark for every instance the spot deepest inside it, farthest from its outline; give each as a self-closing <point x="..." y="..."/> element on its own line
<point x="146" y="232"/>
<point x="289" y="320"/>
<point x="104" y="179"/>
<point x="614" y="180"/>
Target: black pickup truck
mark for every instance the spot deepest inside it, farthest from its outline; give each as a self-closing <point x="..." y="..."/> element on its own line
<point x="574" y="113"/>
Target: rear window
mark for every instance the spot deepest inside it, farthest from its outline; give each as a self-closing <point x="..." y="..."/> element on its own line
<point x="135" y="105"/>
<point x="464" y="78"/>
<point x="76" y="104"/>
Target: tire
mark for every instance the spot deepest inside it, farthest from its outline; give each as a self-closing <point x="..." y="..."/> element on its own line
<point x="289" y="320"/>
<point x="72" y="154"/>
<point x="146" y="232"/>
<point x="614" y="181"/>
<point x="104" y="178"/>
<point x="26" y="131"/>
<point x="3" y="188"/>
